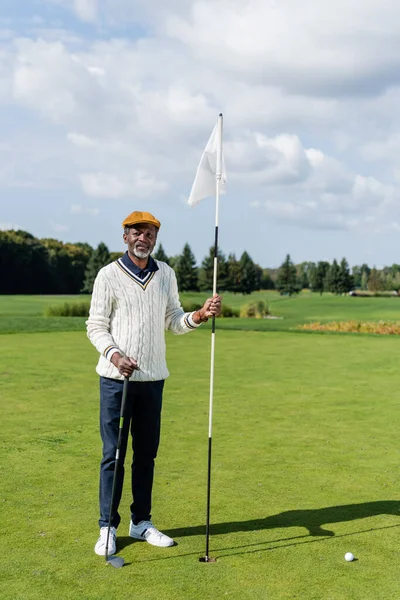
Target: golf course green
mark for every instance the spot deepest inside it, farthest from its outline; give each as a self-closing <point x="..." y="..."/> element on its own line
<point x="305" y="463"/>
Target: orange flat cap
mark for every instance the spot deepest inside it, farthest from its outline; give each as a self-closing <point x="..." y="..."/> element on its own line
<point x="140" y="217"/>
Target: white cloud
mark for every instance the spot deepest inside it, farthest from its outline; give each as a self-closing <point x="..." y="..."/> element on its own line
<point x="86" y="9"/>
<point x="82" y="141"/>
<point x="105" y="185"/>
<point x="53" y="81"/>
<point x="58" y="228"/>
<point x="312" y="45"/>
<point x="6" y="34"/>
<point x="310" y="93"/>
<point x="314" y="190"/>
<point x="78" y="209"/>
<point x="284" y="161"/>
<point x="9" y="227"/>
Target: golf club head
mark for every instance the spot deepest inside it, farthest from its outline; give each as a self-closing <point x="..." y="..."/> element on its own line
<point x="115" y="561"/>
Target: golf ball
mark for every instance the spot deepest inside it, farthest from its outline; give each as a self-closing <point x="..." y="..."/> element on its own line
<point x="349" y="556"/>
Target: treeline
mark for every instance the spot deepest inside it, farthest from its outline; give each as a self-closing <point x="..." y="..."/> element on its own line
<point x="29" y="265"/>
<point x="335" y="277"/>
<point x="241" y="275"/>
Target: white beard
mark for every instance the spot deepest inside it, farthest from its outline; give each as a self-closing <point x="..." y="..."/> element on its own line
<point x="141" y="253"/>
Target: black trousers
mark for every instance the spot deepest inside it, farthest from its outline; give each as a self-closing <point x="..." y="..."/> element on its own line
<point x="143" y="418"/>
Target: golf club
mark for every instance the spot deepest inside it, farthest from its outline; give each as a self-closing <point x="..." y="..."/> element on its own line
<point x="116" y="561"/>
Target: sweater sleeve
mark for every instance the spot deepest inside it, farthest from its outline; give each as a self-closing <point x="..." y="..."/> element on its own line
<point x="98" y="323"/>
<point x="175" y="317"/>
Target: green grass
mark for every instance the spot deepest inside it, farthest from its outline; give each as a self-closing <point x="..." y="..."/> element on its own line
<point x="26" y="313"/>
<point x="305" y="468"/>
<point x="33" y="306"/>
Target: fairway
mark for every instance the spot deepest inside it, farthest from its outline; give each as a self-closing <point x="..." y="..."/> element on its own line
<point x="305" y="469"/>
<point x="26" y="313"/>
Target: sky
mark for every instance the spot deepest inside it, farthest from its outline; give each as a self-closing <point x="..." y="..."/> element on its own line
<point x="106" y="107"/>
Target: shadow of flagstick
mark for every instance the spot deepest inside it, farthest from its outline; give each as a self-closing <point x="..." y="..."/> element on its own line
<point x="130" y="541"/>
<point x="225" y="552"/>
<point x="319" y="539"/>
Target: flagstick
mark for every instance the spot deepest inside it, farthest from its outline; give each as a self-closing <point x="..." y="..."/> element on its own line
<point x="218" y="176"/>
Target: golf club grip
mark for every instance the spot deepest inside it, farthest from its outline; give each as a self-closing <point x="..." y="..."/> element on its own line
<point x="124" y="395"/>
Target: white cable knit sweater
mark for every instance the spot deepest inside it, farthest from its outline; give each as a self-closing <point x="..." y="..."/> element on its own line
<point x="129" y="315"/>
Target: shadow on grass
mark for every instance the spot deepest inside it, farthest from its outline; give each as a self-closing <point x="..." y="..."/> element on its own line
<point x="258" y="547"/>
<point x="311" y="519"/>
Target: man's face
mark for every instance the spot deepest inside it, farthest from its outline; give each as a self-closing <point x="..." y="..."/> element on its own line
<point x="141" y="239"/>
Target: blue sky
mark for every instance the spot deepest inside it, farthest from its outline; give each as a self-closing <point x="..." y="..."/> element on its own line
<point x="106" y="106"/>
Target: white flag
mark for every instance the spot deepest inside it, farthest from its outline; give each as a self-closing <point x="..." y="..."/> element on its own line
<point x="204" y="184"/>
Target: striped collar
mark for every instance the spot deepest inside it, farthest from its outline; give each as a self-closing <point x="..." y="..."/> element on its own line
<point x="140" y="276"/>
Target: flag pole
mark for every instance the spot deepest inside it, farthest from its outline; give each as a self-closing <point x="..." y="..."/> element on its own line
<point x="218" y="178"/>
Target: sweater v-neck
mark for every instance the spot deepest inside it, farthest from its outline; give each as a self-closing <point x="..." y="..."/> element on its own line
<point x="136" y="274"/>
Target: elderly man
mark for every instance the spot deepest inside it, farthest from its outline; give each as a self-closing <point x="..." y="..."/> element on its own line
<point x="134" y="300"/>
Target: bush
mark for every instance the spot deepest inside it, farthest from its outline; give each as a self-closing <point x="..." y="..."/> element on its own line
<point x="364" y="294"/>
<point x="254" y="311"/>
<point x="74" y="309"/>
<point x="262" y="309"/>
<point x="228" y="311"/>
<point x="248" y="310"/>
<point x="191" y="306"/>
<point x="68" y="309"/>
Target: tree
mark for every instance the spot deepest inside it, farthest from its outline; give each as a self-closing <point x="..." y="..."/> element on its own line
<point x="67" y="263"/>
<point x="286" y="282"/>
<point x="115" y="256"/>
<point x="258" y="276"/>
<point x="174" y="261"/>
<point x="24" y="264"/>
<point x="318" y="276"/>
<point x="186" y="271"/>
<point x="357" y="276"/>
<point x="304" y="271"/>
<point x="332" y="278"/>
<point x="345" y="280"/>
<point x="267" y="283"/>
<point x="375" y="282"/>
<point x="233" y="274"/>
<point x="395" y="269"/>
<point x="391" y="278"/>
<point x="395" y="282"/>
<point x="77" y="258"/>
<point x="206" y="271"/>
<point x="99" y="259"/>
<point x="160" y="254"/>
<point x="364" y="281"/>
<point x="365" y="272"/>
<point x="250" y="277"/>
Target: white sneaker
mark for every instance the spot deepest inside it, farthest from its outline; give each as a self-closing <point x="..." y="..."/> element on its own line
<point x="100" y="547"/>
<point x="146" y="532"/>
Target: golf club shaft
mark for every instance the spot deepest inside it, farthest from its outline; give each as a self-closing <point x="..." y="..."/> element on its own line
<point x="114" y="485"/>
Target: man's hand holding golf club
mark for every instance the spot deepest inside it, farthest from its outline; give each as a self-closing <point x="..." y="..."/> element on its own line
<point x="125" y="365"/>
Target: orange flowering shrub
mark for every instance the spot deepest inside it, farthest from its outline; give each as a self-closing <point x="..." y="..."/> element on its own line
<point x="379" y="327"/>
